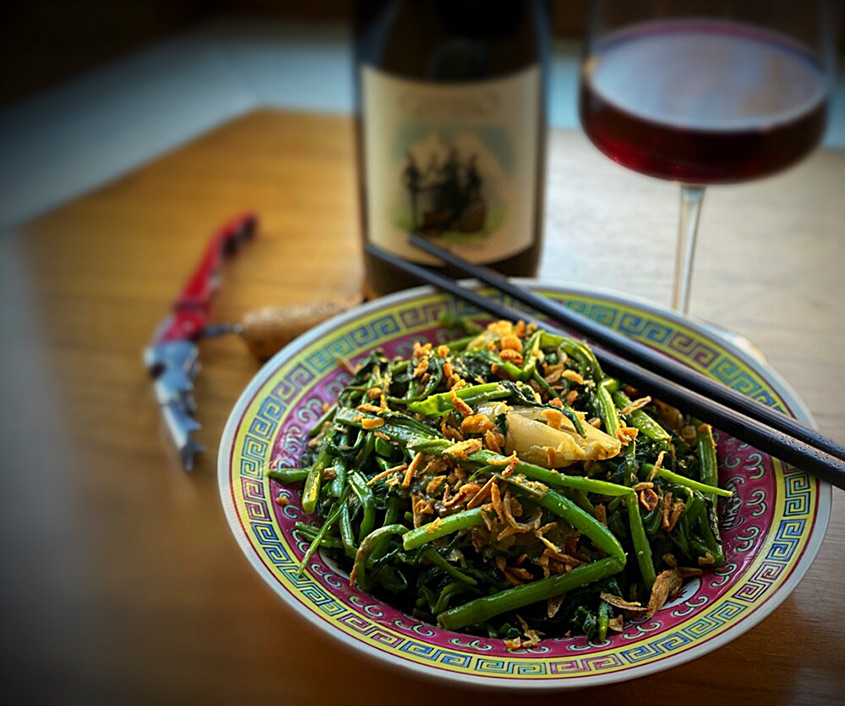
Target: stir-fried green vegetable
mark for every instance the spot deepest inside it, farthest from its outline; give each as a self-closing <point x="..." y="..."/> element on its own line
<point x="504" y="485"/>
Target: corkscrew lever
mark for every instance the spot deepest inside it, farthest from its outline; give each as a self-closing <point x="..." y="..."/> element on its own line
<point x="172" y="357"/>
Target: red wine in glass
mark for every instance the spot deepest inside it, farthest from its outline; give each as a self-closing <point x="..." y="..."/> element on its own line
<point x="703" y="102"/>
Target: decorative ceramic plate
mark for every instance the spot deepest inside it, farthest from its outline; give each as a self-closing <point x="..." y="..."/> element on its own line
<point x="772" y="527"/>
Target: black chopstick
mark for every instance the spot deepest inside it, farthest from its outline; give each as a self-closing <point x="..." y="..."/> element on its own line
<point x="772" y="441"/>
<point x="638" y="353"/>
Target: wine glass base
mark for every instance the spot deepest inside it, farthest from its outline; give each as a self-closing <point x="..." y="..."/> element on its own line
<point x="742" y="342"/>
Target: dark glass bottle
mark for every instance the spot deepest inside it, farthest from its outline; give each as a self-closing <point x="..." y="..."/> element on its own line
<point x="451" y="130"/>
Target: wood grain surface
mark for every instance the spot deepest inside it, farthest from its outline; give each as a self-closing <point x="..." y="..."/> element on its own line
<point x="121" y="580"/>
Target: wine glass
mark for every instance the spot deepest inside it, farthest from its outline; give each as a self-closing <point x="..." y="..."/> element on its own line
<point x="705" y="93"/>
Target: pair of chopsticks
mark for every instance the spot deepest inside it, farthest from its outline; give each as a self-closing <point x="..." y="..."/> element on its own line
<point x="651" y="372"/>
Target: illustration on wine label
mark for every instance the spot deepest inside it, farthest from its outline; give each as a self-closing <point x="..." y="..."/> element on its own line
<point x="459" y="191"/>
<point x="453" y="163"/>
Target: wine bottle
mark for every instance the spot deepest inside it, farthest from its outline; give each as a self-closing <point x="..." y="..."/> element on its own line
<point x="451" y="130"/>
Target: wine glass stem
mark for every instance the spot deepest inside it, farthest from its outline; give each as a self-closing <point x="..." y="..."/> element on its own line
<point x="691" y="198"/>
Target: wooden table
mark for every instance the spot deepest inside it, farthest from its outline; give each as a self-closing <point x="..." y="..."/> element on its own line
<point x="121" y="580"/>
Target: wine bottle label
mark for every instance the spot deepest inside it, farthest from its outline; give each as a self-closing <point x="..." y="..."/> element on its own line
<point x="456" y="163"/>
